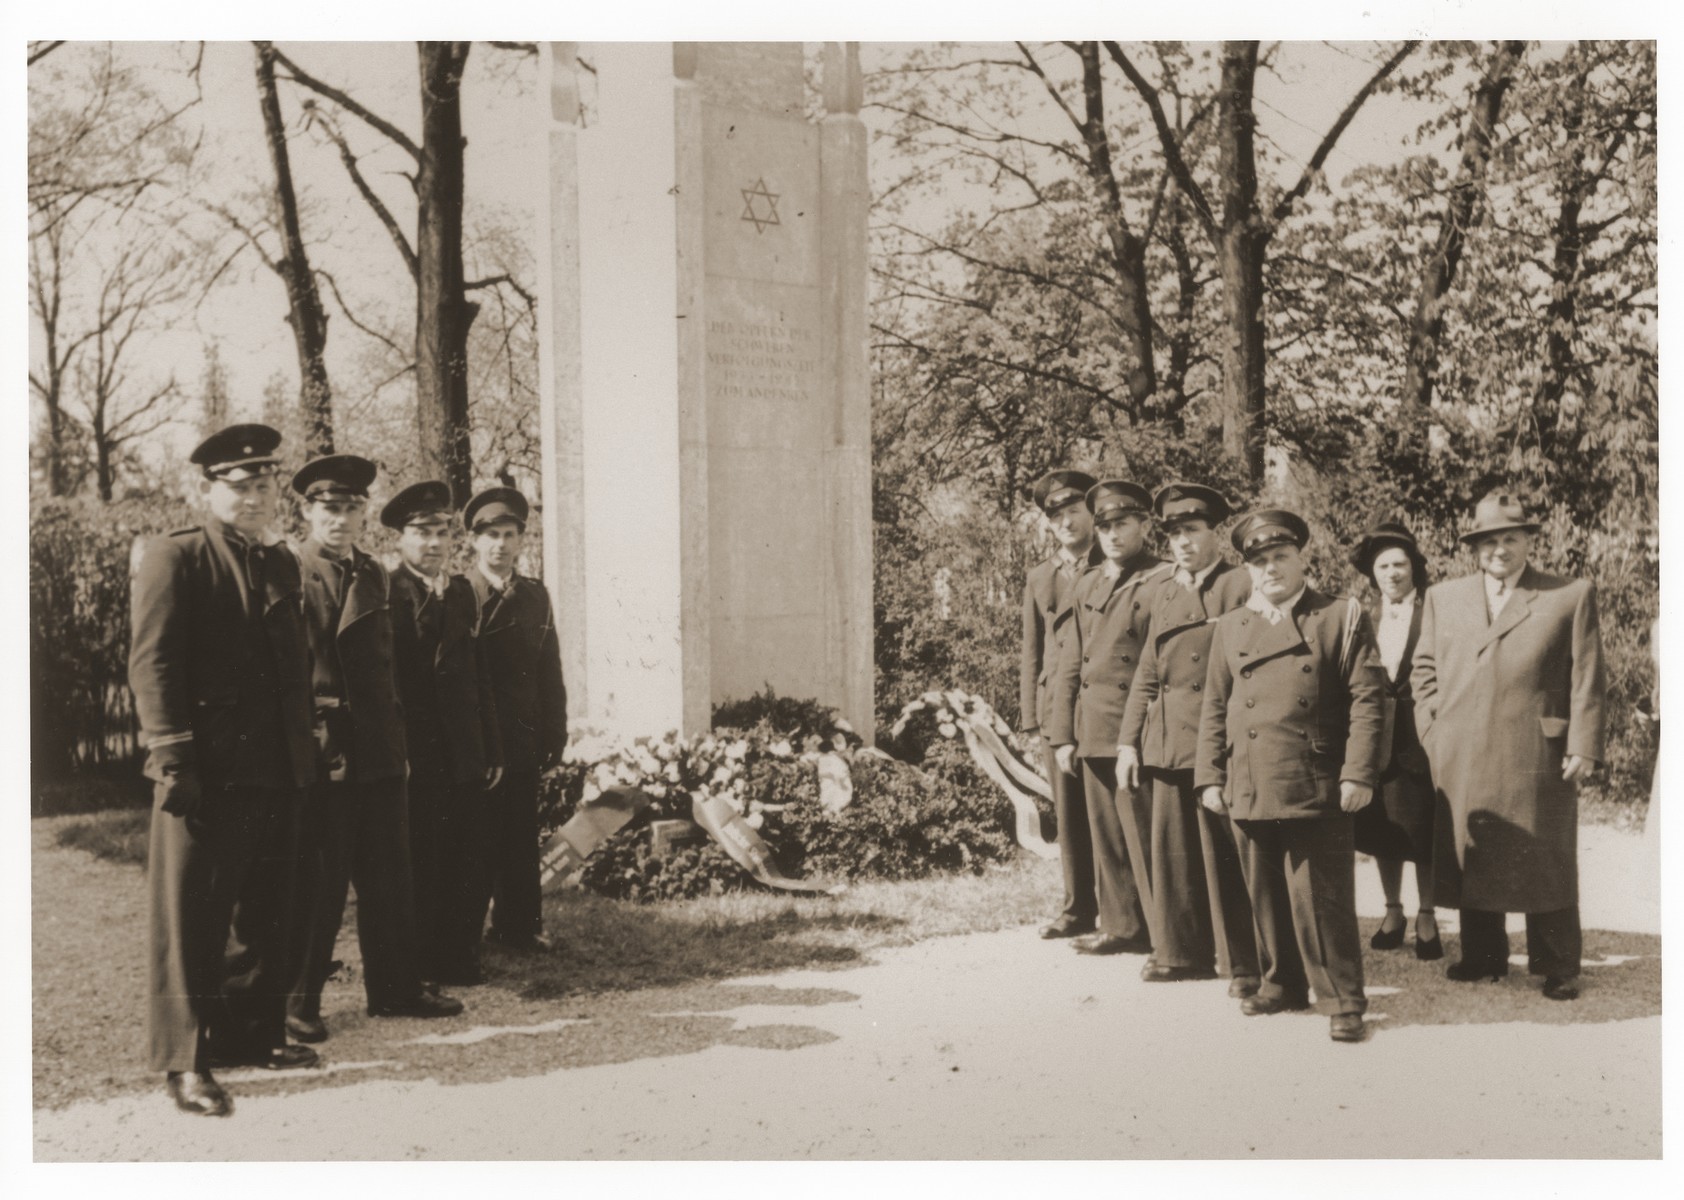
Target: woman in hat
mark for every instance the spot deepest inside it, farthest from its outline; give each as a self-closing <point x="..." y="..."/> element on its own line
<point x="1398" y="828"/>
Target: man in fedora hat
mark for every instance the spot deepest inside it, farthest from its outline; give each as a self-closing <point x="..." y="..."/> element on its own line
<point x="1291" y="741"/>
<point x="1048" y="596"/>
<point x="522" y="656"/>
<point x="221" y="679"/>
<point x="450" y="722"/>
<point x="357" y="829"/>
<point x="1509" y="695"/>
<point x="1089" y="688"/>
<point x="1200" y="915"/>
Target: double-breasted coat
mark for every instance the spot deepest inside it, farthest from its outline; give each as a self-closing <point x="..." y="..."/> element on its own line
<point x="1098" y="656"/>
<point x="1399" y="823"/>
<point x="522" y="655"/>
<point x="1166" y="697"/>
<point x="360" y="721"/>
<point x="1290" y="710"/>
<point x="220" y="670"/>
<point x="1499" y="705"/>
<point x="1049" y="597"/>
<point x="448" y="704"/>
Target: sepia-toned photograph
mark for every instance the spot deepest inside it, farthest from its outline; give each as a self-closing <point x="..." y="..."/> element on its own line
<point x="858" y="600"/>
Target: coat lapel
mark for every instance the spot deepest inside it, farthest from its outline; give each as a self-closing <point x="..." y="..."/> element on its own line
<point x="1269" y="641"/>
<point x="364" y="594"/>
<point x="217" y="537"/>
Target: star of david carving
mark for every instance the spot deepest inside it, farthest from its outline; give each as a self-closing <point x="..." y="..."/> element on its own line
<point x="760" y="207"/>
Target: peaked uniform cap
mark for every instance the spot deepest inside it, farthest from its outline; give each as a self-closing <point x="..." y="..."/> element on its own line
<point x="1266" y="527"/>
<point x="334" y="475"/>
<point x="1383" y="535"/>
<point x="1180" y="501"/>
<point x="427" y="499"/>
<point x="1112" y="498"/>
<point x="496" y="504"/>
<point x="237" y="452"/>
<point x="1055" y="489"/>
<point x="1499" y="510"/>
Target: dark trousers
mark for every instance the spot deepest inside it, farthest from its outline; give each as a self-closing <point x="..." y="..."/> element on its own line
<point x="1301" y="875"/>
<point x="221" y="897"/>
<point x="447" y="833"/>
<point x="356" y="834"/>
<point x="509" y="880"/>
<point x="1115" y="826"/>
<point x="1554" y="941"/>
<point x="1200" y="908"/>
<point x="1075" y="843"/>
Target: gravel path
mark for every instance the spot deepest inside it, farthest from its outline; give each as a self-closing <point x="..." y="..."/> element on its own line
<point x="999" y="1045"/>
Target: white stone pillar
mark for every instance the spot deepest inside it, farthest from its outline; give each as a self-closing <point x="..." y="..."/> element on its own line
<point x="639" y="630"/>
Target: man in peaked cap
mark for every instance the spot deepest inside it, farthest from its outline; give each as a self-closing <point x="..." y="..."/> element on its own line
<point x="357" y="828"/>
<point x="1089" y="689"/>
<point x="1509" y="694"/>
<point x="220" y="672"/>
<point x="522" y="655"/>
<point x="450" y="720"/>
<point x="1048" y="596"/>
<point x="1291" y="743"/>
<point x="1200" y="915"/>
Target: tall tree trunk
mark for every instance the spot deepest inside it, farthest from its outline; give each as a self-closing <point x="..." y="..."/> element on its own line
<point x="443" y="313"/>
<point x="1561" y="317"/>
<point x="1174" y="397"/>
<point x="305" y="313"/>
<point x="1128" y="251"/>
<point x="1465" y="194"/>
<point x="1243" y="240"/>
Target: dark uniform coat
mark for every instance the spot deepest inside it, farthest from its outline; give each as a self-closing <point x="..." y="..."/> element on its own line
<point x="1049" y="598"/>
<point x="448" y="704"/>
<point x="1089" y="687"/>
<point x="207" y="694"/>
<point x="1284" y="719"/>
<point x="1398" y="824"/>
<point x="1499" y="705"/>
<point x="523" y="657"/>
<point x="1166" y="698"/>
<point x="352" y="669"/>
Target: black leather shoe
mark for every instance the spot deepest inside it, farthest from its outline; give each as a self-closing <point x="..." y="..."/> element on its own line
<point x="1268" y="1006"/>
<point x="1347" y="1027"/>
<point x="1429" y="951"/>
<point x="1242" y="986"/>
<point x="1066" y="927"/>
<point x="281" y="1058"/>
<point x="197" y="1093"/>
<point x="1157" y="974"/>
<point x="1105" y="943"/>
<point x="306" y="1029"/>
<point x="1561" y="989"/>
<point x="422" y="1004"/>
<point x="1387" y="939"/>
<point x="1467" y="972"/>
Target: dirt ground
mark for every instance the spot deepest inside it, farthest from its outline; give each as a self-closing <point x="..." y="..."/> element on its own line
<point x="992" y="1045"/>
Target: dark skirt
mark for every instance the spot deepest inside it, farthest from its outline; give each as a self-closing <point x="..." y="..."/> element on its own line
<point x="1398" y="823"/>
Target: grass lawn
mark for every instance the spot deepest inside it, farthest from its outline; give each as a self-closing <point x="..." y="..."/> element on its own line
<point x="646" y="976"/>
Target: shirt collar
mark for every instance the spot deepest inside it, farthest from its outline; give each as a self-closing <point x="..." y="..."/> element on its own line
<point x="1259" y="604"/>
<point x="497" y="583"/>
<point x="1196" y="580"/>
<point x="1495" y="586"/>
<point x="1405" y="605"/>
<point x="433" y="583"/>
<point x="1075" y="561"/>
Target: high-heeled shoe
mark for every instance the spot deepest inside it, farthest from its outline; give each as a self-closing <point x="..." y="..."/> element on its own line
<point x="1428" y="949"/>
<point x="1388" y="939"/>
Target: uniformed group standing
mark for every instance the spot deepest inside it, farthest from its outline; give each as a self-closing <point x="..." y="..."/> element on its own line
<point x="315" y="723"/>
<point x="1216" y="738"/>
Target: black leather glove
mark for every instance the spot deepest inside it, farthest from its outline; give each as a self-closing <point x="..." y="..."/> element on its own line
<point x="182" y="795"/>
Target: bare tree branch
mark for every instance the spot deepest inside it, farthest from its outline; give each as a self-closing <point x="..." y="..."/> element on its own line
<point x="301" y="76"/>
<point x="1166" y="137"/>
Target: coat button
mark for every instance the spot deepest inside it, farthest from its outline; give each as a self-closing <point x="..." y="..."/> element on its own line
<point x="1125" y="658"/>
<point x="1251" y="733"/>
<point x="1084" y="658"/>
<point x="1198" y="687"/>
<point x="1084" y="683"/>
<point x="1195" y="658"/>
<point x="1251" y="704"/>
<point x="1304" y="734"/>
<point x="1246" y="674"/>
<point x="1305" y="668"/>
<point x="1303" y="703"/>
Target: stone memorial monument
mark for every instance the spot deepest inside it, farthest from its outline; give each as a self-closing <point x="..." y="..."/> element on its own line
<point x="706" y="412"/>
